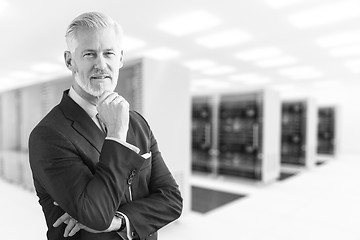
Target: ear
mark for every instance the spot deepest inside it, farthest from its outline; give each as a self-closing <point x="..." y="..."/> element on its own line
<point x="68" y="60"/>
<point x="122" y="59"/>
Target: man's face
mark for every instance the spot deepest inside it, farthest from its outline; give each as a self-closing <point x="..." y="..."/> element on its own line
<point x="96" y="60"/>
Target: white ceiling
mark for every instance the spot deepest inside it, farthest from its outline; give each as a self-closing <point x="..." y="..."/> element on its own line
<point x="32" y="39"/>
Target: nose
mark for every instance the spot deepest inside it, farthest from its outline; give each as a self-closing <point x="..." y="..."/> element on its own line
<point x="100" y="63"/>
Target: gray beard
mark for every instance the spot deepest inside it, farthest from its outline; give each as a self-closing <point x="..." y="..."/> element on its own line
<point x="87" y="87"/>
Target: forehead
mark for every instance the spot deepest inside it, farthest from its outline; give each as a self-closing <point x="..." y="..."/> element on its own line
<point x="97" y="39"/>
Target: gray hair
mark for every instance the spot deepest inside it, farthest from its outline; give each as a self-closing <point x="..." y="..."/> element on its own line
<point x="90" y="20"/>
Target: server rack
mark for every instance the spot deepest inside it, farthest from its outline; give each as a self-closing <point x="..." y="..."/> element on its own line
<point x="240" y="120"/>
<point x="326" y="133"/>
<point x="202" y="134"/>
<point x="245" y="135"/>
<point x="293" y="134"/>
<point x="298" y="133"/>
<point x="24" y="108"/>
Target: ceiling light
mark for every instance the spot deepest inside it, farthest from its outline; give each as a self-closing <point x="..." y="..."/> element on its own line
<point x="343" y="38"/>
<point x="345" y="51"/>
<point x="258" y="53"/>
<point x="249" y="78"/>
<point x="282" y="87"/>
<point x="243" y="77"/>
<point x="282" y="3"/>
<point x="307" y="75"/>
<point x="209" y="83"/>
<point x="161" y="53"/>
<point x="47" y="67"/>
<point x="276" y="62"/>
<point x="131" y="44"/>
<point x="327" y="84"/>
<point x="23" y="75"/>
<point x="199" y="64"/>
<point x="327" y="14"/>
<point x="219" y="70"/>
<point x="299" y="70"/>
<point x="8" y="84"/>
<point x="353" y="65"/>
<point x="257" y="81"/>
<point x="3" y="6"/>
<point x="189" y="23"/>
<point x="224" y="38"/>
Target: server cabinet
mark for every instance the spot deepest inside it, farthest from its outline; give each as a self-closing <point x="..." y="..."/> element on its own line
<point x="202" y="134"/>
<point x="21" y="109"/>
<point x="245" y="135"/>
<point x="298" y="133"/>
<point x="11" y="135"/>
<point x="240" y="120"/>
<point x="326" y="133"/>
<point x="293" y="134"/>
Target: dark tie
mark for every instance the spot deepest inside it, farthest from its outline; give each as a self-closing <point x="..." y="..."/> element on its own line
<point x="102" y="125"/>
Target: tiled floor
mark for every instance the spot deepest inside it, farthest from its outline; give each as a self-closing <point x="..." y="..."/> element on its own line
<point x="321" y="204"/>
<point x="204" y="200"/>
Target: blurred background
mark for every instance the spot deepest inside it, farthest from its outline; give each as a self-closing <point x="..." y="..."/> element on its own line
<point x="253" y="103"/>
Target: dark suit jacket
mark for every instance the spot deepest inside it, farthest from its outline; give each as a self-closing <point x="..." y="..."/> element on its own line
<point x="89" y="177"/>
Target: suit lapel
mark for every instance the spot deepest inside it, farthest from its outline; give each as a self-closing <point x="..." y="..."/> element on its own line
<point x="82" y="122"/>
<point x="91" y="132"/>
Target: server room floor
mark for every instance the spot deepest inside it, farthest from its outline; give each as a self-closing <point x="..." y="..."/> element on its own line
<point x="322" y="203"/>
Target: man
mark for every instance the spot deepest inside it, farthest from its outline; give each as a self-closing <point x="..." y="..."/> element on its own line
<point x="96" y="165"/>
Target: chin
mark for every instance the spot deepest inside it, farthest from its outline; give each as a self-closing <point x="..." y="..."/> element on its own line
<point x="99" y="90"/>
<point x="96" y="93"/>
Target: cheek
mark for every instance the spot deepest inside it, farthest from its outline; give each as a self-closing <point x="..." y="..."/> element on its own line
<point x="84" y="71"/>
<point x="74" y="67"/>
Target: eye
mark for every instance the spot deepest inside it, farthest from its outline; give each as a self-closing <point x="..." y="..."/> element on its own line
<point x="109" y="53"/>
<point x="89" y="54"/>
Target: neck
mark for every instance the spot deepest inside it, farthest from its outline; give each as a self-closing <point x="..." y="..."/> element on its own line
<point x="88" y="97"/>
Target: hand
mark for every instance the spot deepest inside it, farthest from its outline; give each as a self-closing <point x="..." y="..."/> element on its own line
<point x="113" y="111"/>
<point x="73" y="226"/>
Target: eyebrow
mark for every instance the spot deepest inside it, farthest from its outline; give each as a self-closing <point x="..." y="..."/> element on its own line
<point x="93" y="50"/>
<point x="109" y="49"/>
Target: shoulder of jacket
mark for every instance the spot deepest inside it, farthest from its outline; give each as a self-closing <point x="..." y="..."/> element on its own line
<point x="138" y="117"/>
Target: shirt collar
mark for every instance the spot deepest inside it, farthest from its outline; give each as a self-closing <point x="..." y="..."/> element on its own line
<point x="89" y="108"/>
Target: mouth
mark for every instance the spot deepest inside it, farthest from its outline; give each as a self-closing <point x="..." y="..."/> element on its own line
<point x="100" y="77"/>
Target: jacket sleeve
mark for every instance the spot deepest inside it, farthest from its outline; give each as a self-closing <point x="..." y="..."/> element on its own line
<point x="163" y="202"/>
<point x="90" y="198"/>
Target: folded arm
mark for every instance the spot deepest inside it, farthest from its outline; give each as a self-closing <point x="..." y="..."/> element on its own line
<point x="90" y="197"/>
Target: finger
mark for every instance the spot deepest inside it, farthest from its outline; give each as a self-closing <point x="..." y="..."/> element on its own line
<point x="111" y="98"/>
<point x="103" y="96"/>
<point x="76" y="228"/>
<point x="118" y="99"/>
<point x="69" y="227"/>
<point x="62" y="219"/>
<point x="106" y="95"/>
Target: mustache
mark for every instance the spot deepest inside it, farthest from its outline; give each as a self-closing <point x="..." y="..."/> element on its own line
<point x="100" y="73"/>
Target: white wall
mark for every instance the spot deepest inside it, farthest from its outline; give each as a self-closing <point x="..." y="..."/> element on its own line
<point x="166" y="106"/>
